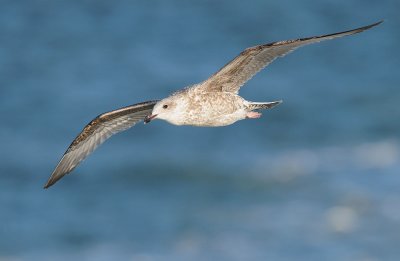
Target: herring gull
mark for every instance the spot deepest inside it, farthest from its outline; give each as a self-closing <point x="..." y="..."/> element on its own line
<point x="211" y="103"/>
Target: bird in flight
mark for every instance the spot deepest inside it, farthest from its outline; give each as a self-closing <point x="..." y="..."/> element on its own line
<point x="211" y="103"/>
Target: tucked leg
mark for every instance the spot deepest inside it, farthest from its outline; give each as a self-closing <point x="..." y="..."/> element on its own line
<point x="253" y="115"/>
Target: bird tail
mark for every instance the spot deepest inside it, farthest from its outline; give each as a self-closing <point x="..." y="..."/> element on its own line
<point x="263" y="105"/>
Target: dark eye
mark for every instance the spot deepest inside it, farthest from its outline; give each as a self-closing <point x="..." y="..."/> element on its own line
<point x="165" y="106"/>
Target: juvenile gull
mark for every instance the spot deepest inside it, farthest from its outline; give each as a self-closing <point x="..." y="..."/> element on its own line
<point x="212" y="103"/>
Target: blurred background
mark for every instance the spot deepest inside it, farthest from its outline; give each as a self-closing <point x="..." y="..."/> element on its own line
<point x="316" y="178"/>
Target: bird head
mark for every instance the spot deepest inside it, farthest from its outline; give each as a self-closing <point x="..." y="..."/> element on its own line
<point x="167" y="109"/>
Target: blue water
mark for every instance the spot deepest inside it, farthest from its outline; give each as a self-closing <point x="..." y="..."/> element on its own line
<point x="316" y="178"/>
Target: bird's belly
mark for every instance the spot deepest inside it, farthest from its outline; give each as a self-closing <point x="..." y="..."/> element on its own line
<point x="215" y="119"/>
<point x="212" y="110"/>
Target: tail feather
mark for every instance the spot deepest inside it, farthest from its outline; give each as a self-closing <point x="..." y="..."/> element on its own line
<point x="263" y="105"/>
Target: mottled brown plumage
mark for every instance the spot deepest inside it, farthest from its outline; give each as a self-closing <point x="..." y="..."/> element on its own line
<point x="238" y="71"/>
<point x="96" y="132"/>
<point x="212" y="103"/>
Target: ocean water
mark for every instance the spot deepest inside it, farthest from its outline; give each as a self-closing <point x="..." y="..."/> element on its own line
<point x="316" y="178"/>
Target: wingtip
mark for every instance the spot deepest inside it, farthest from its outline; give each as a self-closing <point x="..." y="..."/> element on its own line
<point x="55" y="176"/>
<point x="48" y="184"/>
<point x="364" y="28"/>
<point x="370" y="26"/>
<point x="375" y="24"/>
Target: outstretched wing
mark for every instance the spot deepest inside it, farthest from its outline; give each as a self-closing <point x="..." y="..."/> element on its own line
<point x="96" y="132"/>
<point x="249" y="62"/>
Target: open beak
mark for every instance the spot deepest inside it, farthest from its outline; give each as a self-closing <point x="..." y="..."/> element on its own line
<point x="148" y="118"/>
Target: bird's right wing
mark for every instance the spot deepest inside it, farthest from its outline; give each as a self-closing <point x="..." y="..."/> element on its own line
<point x="96" y="132"/>
<point x="249" y="62"/>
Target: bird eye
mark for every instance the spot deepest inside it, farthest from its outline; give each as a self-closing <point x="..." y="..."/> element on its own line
<point x="165" y="106"/>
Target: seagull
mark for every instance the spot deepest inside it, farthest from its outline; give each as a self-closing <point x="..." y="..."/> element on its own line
<point x="212" y="103"/>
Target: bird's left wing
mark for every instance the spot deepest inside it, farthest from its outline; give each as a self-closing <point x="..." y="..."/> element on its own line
<point x="249" y="62"/>
<point x="96" y="132"/>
